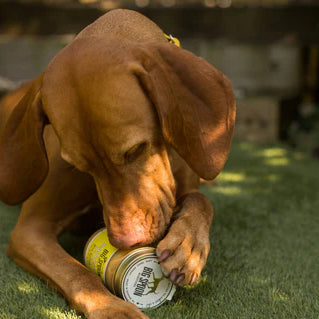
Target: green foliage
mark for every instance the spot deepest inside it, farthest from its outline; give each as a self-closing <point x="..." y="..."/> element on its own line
<point x="264" y="253"/>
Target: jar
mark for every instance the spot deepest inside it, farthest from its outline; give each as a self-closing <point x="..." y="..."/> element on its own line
<point x="134" y="274"/>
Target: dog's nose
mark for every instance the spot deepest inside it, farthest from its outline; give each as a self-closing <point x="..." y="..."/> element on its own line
<point x="128" y="240"/>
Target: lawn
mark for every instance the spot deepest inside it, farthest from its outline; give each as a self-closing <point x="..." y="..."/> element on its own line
<point x="264" y="261"/>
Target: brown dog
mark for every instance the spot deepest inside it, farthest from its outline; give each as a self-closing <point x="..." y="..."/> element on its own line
<point x="122" y="116"/>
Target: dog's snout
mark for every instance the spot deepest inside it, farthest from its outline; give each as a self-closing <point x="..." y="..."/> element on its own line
<point x="129" y="240"/>
<point x="138" y="219"/>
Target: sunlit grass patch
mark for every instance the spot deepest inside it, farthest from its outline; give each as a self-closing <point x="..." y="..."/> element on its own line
<point x="273" y="152"/>
<point x="57" y="313"/>
<point x="274" y="156"/>
<point x="279" y="295"/>
<point x="231" y="177"/>
<point x="228" y="190"/>
<point x="26" y="287"/>
<point x="280" y="161"/>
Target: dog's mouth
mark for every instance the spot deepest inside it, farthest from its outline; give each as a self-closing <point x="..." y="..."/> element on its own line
<point x="128" y="230"/>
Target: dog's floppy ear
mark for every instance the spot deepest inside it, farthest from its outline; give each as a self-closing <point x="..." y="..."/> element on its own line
<point x="195" y="104"/>
<point x="23" y="159"/>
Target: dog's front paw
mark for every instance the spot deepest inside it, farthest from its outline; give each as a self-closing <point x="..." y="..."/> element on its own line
<point x="184" y="250"/>
<point x="119" y="309"/>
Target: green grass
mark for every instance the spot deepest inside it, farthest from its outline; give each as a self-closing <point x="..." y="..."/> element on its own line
<point x="264" y="261"/>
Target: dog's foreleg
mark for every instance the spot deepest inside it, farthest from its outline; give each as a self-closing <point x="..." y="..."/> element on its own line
<point x="184" y="250"/>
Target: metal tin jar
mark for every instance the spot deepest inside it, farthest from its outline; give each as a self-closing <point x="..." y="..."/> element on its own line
<point x="134" y="275"/>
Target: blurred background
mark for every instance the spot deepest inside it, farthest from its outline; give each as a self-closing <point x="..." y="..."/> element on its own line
<point x="264" y="243"/>
<point x="268" y="48"/>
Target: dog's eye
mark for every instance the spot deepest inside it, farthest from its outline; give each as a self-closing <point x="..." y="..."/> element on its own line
<point x="134" y="152"/>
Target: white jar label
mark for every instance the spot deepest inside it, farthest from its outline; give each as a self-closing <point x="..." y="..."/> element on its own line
<point x="145" y="285"/>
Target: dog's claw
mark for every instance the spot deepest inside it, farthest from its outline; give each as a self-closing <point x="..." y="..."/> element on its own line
<point x="164" y="255"/>
<point x="179" y="279"/>
<point x="173" y="275"/>
<point x="194" y="278"/>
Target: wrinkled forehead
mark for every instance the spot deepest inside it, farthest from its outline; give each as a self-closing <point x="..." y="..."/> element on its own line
<point x="120" y="112"/>
<point x="108" y="111"/>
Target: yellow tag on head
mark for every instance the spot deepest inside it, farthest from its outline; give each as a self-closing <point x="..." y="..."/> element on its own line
<point x="172" y="40"/>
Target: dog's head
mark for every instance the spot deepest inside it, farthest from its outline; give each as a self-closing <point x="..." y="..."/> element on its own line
<point x="115" y="107"/>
